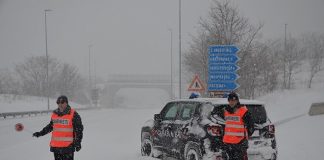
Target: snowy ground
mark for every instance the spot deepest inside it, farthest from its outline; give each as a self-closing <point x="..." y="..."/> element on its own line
<point x="17" y="103"/>
<point x="115" y="133"/>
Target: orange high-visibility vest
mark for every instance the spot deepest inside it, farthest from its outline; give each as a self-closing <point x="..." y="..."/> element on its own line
<point x="62" y="135"/>
<point x="235" y="130"/>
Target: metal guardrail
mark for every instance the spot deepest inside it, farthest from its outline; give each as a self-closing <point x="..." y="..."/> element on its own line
<point x="277" y="123"/>
<point x="35" y="113"/>
<point x="316" y="109"/>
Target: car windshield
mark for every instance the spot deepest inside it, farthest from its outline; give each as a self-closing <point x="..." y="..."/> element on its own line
<point x="258" y="112"/>
<point x="206" y="110"/>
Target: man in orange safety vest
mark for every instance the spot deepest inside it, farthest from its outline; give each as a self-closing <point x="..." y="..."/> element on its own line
<point x="239" y="126"/>
<point x="67" y="130"/>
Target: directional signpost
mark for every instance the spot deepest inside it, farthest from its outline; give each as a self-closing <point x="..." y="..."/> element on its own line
<point x="214" y="67"/>
<point x="223" y="86"/>
<point x="226" y="76"/>
<point x="222" y="68"/>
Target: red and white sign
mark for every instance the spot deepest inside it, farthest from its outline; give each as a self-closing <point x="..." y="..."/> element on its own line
<point x="196" y="85"/>
<point x="19" y="127"/>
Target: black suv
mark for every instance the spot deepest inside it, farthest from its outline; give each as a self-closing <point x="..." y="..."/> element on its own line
<point x="187" y="129"/>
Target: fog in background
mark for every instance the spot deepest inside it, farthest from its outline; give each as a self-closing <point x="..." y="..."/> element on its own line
<point x="130" y="36"/>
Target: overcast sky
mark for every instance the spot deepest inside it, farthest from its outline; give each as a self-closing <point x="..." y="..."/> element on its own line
<point x="130" y="36"/>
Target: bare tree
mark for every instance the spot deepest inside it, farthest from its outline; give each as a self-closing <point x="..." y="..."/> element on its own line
<point x="315" y="54"/>
<point x="68" y="80"/>
<point x="223" y="26"/>
<point x="293" y="57"/>
<point x="63" y="78"/>
<point x="8" y="83"/>
<point x="32" y="73"/>
<point x="272" y="65"/>
<point x="196" y="58"/>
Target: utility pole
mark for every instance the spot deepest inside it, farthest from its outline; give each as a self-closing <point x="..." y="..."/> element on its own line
<point x="285" y="57"/>
<point x="179" y="48"/>
<point x="89" y="47"/>
<point x="171" y="61"/>
<point x="90" y="85"/>
<point x="47" y="84"/>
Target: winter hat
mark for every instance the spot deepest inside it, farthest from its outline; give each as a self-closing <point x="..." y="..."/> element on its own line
<point x="62" y="98"/>
<point x="233" y="96"/>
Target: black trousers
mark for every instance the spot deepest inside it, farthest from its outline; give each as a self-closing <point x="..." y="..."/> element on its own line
<point x="236" y="152"/>
<point x="63" y="156"/>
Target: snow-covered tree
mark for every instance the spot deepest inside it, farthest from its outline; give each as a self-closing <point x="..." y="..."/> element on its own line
<point x="314" y="44"/>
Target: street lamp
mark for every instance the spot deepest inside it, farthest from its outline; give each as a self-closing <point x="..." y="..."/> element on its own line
<point x="179" y="48"/>
<point x="89" y="47"/>
<point x="171" y="63"/>
<point x="47" y="85"/>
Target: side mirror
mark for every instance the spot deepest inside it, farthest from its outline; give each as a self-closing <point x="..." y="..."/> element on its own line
<point x="157" y="117"/>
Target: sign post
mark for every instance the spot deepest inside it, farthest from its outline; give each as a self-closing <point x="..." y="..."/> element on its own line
<point x="222" y="69"/>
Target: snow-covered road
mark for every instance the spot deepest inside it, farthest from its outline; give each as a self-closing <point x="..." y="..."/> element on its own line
<point x="301" y="138"/>
<point x="115" y="134"/>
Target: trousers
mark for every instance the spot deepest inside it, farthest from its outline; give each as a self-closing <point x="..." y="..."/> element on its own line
<point x="236" y="152"/>
<point x="63" y="156"/>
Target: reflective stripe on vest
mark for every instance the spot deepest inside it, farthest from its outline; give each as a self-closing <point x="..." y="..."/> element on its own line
<point x="62" y="139"/>
<point x="234" y="126"/>
<point x="63" y="129"/>
<point x="62" y="135"/>
<point x="235" y="130"/>
<point x="234" y="134"/>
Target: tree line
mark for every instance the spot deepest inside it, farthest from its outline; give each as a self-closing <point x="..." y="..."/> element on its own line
<point x="29" y="78"/>
<point x="265" y="65"/>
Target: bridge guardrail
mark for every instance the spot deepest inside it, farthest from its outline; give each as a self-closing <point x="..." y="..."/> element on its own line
<point x="316" y="109"/>
<point x="30" y="113"/>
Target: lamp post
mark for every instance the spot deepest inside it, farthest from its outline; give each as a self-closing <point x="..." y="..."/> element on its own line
<point x="90" y="80"/>
<point x="171" y="63"/>
<point x="179" y="48"/>
<point x="89" y="47"/>
<point x="47" y="84"/>
<point x="285" y="55"/>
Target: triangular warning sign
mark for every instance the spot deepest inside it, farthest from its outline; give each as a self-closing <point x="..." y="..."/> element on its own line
<point x="196" y="85"/>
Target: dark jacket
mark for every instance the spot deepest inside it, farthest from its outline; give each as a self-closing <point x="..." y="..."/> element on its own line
<point x="77" y="128"/>
<point x="247" y="119"/>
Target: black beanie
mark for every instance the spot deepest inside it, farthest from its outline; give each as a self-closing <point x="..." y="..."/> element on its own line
<point x="233" y="96"/>
<point x="62" y="98"/>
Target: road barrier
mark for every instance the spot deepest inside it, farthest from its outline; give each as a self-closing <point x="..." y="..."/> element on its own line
<point x="35" y="113"/>
<point x="316" y="109"/>
<point x="277" y="123"/>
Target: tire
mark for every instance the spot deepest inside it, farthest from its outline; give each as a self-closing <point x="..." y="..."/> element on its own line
<point x="192" y="152"/>
<point x="274" y="157"/>
<point x="146" y="145"/>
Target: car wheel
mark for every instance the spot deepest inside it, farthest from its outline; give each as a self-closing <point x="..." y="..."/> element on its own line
<point x="274" y="157"/>
<point x="192" y="152"/>
<point x="146" y="149"/>
<point x="146" y="146"/>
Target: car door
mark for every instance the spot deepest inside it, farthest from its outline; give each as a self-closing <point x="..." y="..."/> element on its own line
<point x="187" y="110"/>
<point x="168" y="115"/>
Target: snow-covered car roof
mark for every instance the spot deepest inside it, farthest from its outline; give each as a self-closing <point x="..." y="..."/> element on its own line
<point x="220" y="101"/>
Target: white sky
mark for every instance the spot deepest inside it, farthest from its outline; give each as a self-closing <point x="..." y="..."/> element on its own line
<point x="130" y="36"/>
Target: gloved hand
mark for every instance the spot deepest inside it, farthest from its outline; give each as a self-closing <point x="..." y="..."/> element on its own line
<point x="77" y="146"/>
<point x="36" y="134"/>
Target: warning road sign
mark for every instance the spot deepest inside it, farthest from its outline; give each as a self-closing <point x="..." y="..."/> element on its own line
<point x="196" y="85"/>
